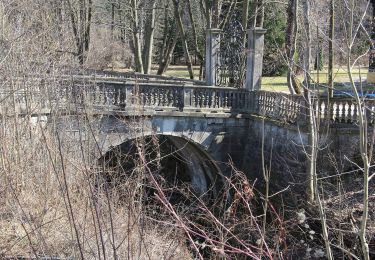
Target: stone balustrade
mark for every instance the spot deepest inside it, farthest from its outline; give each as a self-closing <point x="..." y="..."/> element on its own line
<point x="148" y="96"/>
<point x="344" y="110"/>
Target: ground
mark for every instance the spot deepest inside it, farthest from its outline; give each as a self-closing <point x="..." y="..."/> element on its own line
<point x="279" y="83"/>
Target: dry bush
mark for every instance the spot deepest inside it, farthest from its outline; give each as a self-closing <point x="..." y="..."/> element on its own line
<point x="107" y="53"/>
<point x="52" y="203"/>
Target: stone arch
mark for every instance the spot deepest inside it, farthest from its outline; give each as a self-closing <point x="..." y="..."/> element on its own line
<point x="200" y="169"/>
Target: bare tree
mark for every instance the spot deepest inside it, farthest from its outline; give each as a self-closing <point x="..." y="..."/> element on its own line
<point x="80" y="17"/>
<point x="330" y="47"/>
<point x="136" y="37"/>
<point x="290" y="45"/>
<point x="182" y="33"/>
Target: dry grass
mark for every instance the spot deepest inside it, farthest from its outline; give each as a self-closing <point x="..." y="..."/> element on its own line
<point x="51" y="203"/>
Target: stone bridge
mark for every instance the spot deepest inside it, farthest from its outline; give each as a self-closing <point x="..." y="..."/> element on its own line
<point x="208" y="126"/>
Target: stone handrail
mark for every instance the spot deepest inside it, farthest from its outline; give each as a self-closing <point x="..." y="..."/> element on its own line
<point x="278" y="106"/>
<point x="344" y="110"/>
<point x="131" y="96"/>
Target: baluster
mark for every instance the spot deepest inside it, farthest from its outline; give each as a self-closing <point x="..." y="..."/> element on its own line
<point x="201" y="99"/>
<point x="225" y="100"/>
<point x="228" y="99"/>
<point x="256" y="102"/>
<point x="274" y="108"/>
<point x="147" y="97"/>
<point x="209" y="98"/>
<point x="330" y="109"/>
<point x="198" y="98"/>
<point x="152" y="97"/>
<point x="171" y="98"/>
<point x="174" y="97"/>
<point x="107" y="96"/>
<point x="289" y="108"/>
<point x="370" y="112"/>
<point x="322" y="112"/>
<point x="212" y="99"/>
<point x="282" y="106"/>
<point x="238" y="100"/>
<point x="116" y="98"/>
<point x="194" y="98"/>
<point x="327" y="110"/>
<point x="122" y="97"/>
<point x="267" y="103"/>
<point x="234" y="100"/>
<point x="348" y="110"/>
<point x="159" y="101"/>
<point x="335" y="111"/>
<point x="165" y="97"/>
<point x="205" y="99"/>
<point x="179" y="92"/>
<point x="203" y="105"/>
<point x="270" y="101"/>
<point x="241" y="103"/>
<point x="231" y="99"/>
<point x="261" y="103"/>
<point x="340" y="109"/>
<point x="355" y="112"/>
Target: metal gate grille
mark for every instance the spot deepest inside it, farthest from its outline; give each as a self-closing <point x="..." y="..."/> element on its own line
<point x="231" y="66"/>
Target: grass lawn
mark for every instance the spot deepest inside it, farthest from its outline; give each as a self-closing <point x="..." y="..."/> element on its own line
<point x="179" y="71"/>
<point x="279" y="83"/>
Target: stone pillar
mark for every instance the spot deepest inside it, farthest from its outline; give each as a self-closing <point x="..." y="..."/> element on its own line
<point x="188" y="96"/>
<point x="254" y="58"/>
<point x="129" y="93"/>
<point x="212" y="55"/>
<point x="371" y="67"/>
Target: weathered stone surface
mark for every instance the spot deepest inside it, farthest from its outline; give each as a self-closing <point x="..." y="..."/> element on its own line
<point x="227" y="138"/>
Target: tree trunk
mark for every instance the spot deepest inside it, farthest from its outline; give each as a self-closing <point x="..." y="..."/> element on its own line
<point x="183" y="38"/>
<point x="260" y="14"/>
<point x="167" y="57"/>
<point x="163" y="47"/>
<point x="245" y="14"/>
<point x="81" y="25"/>
<point x="136" y="39"/>
<point x="193" y="27"/>
<point x="112" y="20"/>
<point x="149" y="40"/>
<point x="229" y="14"/>
<point x="372" y="47"/>
<point x="216" y="8"/>
<point x="307" y="58"/>
<point x="330" y="47"/>
<point x="88" y="26"/>
<point x="290" y="44"/>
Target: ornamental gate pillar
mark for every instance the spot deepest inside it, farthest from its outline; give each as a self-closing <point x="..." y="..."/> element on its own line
<point x="255" y="51"/>
<point x="212" y="55"/>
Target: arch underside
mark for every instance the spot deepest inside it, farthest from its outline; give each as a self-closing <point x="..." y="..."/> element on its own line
<point x="177" y="160"/>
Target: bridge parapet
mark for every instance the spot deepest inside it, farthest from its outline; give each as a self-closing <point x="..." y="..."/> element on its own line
<point x="137" y="96"/>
